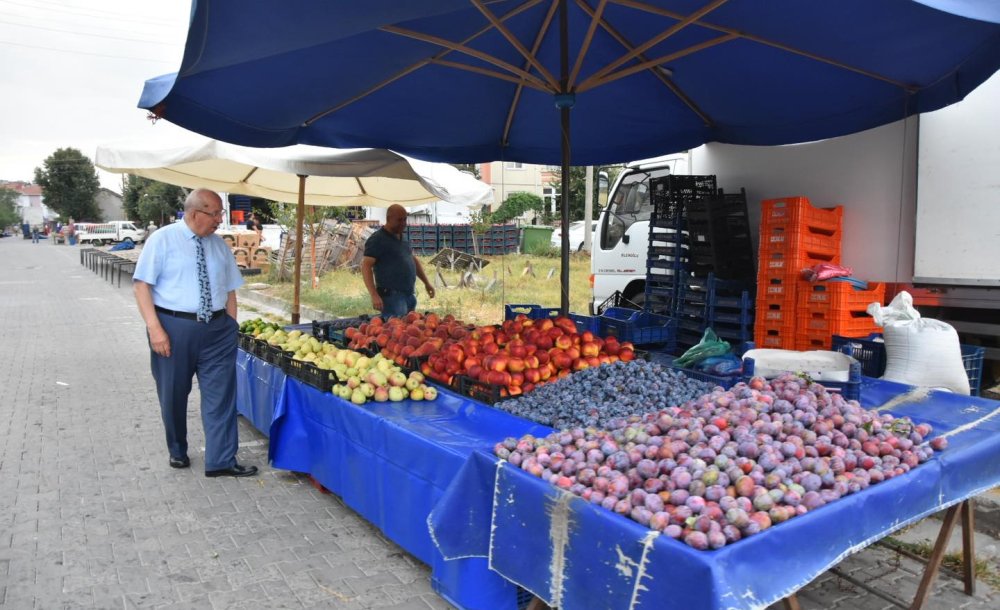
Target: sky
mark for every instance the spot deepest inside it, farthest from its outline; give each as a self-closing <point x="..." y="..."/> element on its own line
<point x="71" y="72"/>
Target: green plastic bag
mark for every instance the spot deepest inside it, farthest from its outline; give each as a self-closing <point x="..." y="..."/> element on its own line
<point x="710" y="345"/>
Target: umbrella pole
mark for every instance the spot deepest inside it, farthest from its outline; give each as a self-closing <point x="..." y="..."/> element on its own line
<point x="300" y="211"/>
<point x="564" y="101"/>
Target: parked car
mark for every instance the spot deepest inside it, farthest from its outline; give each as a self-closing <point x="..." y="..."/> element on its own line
<point x="576" y="235"/>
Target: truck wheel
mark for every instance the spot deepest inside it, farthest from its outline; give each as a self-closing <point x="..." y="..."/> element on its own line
<point x="128" y="240"/>
<point x="97" y="243"/>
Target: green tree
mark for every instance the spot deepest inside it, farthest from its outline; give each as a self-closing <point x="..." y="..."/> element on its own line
<point x="515" y="205"/>
<point x="70" y="183"/>
<point x="578" y="188"/>
<point x="148" y="200"/>
<point x="8" y="208"/>
<point x="471" y="168"/>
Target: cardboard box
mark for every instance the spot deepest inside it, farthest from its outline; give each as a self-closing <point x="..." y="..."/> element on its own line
<point x="230" y="241"/>
<point x="242" y="257"/>
<point x="261" y="253"/>
<point x="248" y="240"/>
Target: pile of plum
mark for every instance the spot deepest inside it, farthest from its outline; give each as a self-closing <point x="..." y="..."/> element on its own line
<point x="729" y="464"/>
<point x="598" y="396"/>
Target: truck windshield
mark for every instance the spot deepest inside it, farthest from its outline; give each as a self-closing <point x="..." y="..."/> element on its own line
<point x="629" y="204"/>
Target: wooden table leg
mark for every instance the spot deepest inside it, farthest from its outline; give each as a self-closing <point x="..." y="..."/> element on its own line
<point x="937" y="556"/>
<point x="791" y="603"/>
<point x="969" y="546"/>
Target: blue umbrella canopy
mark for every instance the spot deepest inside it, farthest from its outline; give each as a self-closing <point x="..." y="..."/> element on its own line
<point x="483" y="80"/>
<point x="477" y="80"/>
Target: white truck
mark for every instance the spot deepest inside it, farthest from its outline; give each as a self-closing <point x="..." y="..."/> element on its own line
<point x="111" y="232"/>
<point x="621" y="237"/>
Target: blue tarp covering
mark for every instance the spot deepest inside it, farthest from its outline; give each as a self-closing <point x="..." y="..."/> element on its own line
<point x="423" y="474"/>
<point x="575" y="555"/>
<point x="258" y="389"/>
<point x="391" y="462"/>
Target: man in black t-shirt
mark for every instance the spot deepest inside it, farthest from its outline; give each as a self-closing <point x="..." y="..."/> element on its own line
<point x="390" y="269"/>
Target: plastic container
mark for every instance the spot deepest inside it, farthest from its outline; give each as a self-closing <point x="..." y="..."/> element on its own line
<point x="799" y="212"/>
<point x="616" y="300"/>
<point x="851" y="389"/>
<point x="586" y="323"/>
<point x="536" y="240"/>
<point x="534" y="312"/>
<point x="639" y="327"/>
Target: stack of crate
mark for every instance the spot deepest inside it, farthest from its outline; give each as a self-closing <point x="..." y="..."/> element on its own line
<point x="793" y="235"/>
<point x="726" y="306"/>
<point x="719" y="237"/>
<point x="669" y="247"/>
<point x="834" y="308"/>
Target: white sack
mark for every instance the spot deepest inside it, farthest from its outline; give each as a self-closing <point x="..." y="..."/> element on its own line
<point x="919" y="351"/>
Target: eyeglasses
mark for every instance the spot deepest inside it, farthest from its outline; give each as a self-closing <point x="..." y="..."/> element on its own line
<point x="212" y="214"/>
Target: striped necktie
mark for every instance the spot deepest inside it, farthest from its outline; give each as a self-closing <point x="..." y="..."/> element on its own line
<point x="204" y="288"/>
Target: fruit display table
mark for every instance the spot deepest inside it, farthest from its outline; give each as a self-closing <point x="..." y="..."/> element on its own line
<point x="258" y="388"/>
<point x="573" y="554"/>
<point x="391" y="463"/>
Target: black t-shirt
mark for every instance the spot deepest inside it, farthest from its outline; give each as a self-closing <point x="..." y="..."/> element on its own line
<point x="394" y="266"/>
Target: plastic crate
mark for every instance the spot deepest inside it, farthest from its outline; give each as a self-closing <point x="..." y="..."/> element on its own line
<point x="826" y="322"/>
<point x="799" y="212"/>
<point x="481" y="391"/>
<point x="850" y="389"/>
<point x="616" y="300"/>
<point x="271" y="354"/>
<point x="245" y="342"/>
<point x="534" y="312"/>
<point x="776" y="336"/>
<point x="586" y="323"/>
<point x="322" y="379"/>
<point x="321" y="329"/>
<point x="792" y="263"/>
<point x="870" y="352"/>
<point x="842" y="296"/>
<point x="778" y="285"/>
<point x="639" y="327"/>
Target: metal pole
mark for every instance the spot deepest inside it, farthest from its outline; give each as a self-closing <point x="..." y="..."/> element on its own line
<point x="300" y="212"/>
<point x="588" y="209"/>
<point x="564" y="108"/>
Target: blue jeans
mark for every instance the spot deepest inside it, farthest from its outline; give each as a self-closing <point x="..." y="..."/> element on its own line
<point x="398" y="304"/>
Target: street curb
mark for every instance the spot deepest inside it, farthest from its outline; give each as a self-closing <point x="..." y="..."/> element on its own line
<point x="306" y="314"/>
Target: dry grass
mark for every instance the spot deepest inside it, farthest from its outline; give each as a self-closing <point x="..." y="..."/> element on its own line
<point x="342" y="293"/>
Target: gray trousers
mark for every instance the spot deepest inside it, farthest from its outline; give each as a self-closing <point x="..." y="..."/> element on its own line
<point x="209" y="351"/>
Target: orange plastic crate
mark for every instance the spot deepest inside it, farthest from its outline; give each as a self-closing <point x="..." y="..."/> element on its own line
<point x="775" y="312"/>
<point x="840" y="296"/>
<point x="775" y="336"/>
<point x="822" y="320"/>
<point x="793" y="263"/>
<point x="797" y="212"/>
<point x="778" y="285"/>
<point x="800" y="243"/>
<point x="805" y="342"/>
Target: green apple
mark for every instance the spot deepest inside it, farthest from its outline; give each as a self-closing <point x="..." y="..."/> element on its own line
<point x="358" y="398"/>
<point x="397" y="394"/>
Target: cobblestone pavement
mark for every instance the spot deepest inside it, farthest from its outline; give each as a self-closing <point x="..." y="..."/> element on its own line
<point x="92" y="516"/>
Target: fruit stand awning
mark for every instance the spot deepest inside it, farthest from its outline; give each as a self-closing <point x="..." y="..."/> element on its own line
<point x="358" y="177"/>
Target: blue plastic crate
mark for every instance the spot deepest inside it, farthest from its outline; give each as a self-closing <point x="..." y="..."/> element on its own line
<point x="534" y="312"/>
<point x="639" y="327"/>
<point x="586" y="323"/>
<point x="850" y="389"/>
<point x="870" y="352"/>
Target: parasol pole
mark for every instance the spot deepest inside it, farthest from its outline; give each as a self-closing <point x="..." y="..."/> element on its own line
<point x="300" y="212"/>
<point x="564" y="101"/>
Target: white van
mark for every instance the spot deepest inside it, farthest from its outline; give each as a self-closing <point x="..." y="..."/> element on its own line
<point x="621" y="240"/>
<point x="111" y="232"/>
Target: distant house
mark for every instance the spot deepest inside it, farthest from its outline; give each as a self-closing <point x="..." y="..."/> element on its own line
<point x="110" y="205"/>
<point x="30" y="206"/>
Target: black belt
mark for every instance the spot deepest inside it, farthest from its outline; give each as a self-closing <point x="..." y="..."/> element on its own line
<point x="186" y="315"/>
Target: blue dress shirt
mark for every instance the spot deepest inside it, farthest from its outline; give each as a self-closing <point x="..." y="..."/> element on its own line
<point x="169" y="265"/>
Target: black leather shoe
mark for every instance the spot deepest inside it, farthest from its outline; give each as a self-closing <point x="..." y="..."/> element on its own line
<point x="236" y="471"/>
<point x="183" y="462"/>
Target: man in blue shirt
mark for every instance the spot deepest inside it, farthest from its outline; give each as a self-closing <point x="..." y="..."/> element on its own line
<point x="185" y="284"/>
<point x="390" y="269"/>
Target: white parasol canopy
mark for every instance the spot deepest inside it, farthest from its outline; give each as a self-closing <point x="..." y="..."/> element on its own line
<point x="337" y="177"/>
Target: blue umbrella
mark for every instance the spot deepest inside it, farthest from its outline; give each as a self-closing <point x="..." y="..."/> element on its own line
<point x="479" y="80"/>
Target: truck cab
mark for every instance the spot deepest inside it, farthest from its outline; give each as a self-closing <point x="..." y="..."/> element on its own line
<point x="621" y="240"/>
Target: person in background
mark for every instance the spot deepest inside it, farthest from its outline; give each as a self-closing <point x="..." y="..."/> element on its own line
<point x="149" y="229"/>
<point x="185" y="285"/>
<point x="253" y="224"/>
<point x="390" y="269"/>
<point x="34" y="234"/>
